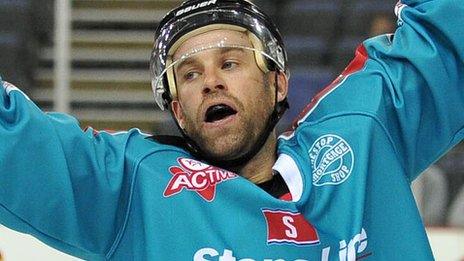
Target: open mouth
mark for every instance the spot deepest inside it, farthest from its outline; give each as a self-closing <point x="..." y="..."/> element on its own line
<point x="218" y="112"/>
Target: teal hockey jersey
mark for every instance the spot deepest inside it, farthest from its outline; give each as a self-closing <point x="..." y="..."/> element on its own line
<point x="348" y="164"/>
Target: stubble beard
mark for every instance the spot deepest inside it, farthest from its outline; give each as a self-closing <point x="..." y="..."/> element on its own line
<point x="232" y="142"/>
<point x="227" y="143"/>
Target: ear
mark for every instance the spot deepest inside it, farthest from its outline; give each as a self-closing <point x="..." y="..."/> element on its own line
<point x="282" y="84"/>
<point x="176" y="108"/>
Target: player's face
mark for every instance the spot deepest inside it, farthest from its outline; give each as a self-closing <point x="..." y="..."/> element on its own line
<point x="224" y="99"/>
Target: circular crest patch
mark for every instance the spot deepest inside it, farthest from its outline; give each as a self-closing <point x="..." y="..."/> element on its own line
<point x="332" y="160"/>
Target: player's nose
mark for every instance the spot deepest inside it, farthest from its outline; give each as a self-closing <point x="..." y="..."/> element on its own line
<point x="213" y="81"/>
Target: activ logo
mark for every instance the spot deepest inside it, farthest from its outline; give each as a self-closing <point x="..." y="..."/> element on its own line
<point x="332" y="160"/>
<point x="196" y="176"/>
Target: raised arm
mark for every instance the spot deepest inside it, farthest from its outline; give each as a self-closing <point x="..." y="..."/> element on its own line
<point x="423" y="69"/>
<point x="58" y="183"/>
<point x="409" y="84"/>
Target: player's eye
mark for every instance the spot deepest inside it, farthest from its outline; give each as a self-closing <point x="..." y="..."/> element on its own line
<point x="228" y="65"/>
<point x="191" y="75"/>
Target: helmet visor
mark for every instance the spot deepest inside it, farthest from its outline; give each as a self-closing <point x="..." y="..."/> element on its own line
<point x="191" y="69"/>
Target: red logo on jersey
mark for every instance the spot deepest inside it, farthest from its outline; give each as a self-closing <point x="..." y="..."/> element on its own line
<point x="289" y="227"/>
<point x="196" y="176"/>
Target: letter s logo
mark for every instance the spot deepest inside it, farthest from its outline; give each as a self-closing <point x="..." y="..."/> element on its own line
<point x="291" y="232"/>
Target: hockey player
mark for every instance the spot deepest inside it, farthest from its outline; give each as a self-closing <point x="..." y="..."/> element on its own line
<point x="334" y="188"/>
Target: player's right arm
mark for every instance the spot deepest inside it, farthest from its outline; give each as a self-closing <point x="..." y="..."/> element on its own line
<point x="57" y="182"/>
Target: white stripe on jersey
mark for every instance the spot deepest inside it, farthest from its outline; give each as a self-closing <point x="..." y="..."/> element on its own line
<point x="10" y="87"/>
<point x="289" y="171"/>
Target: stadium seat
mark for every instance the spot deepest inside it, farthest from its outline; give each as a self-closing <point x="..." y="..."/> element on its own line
<point x="303" y="17"/>
<point x="15" y="64"/>
<point x="431" y="194"/>
<point x="360" y="14"/>
<point x="305" y="50"/>
<point x="18" y="42"/>
<point x="456" y="210"/>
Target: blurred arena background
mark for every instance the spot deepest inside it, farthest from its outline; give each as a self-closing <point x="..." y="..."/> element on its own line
<point x="104" y="80"/>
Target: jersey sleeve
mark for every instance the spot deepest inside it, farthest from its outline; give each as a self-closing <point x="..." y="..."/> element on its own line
<point x="410" y="83"/>
<point x="63" y="185"/>
<point x="424" y="65"/>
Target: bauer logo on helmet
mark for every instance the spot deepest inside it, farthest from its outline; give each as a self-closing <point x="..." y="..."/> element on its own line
<point x="195" y="6"/>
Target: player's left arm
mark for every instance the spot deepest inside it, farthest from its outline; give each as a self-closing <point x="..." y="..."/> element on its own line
<point x="422" y="68"/>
